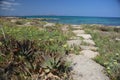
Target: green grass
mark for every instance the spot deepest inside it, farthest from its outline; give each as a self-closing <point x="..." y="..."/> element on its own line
<point x="109" y="49"/>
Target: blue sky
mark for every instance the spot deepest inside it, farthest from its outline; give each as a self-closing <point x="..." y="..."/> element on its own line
<point x="102" y="8"/>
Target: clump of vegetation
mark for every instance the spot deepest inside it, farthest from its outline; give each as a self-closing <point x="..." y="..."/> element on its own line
<point x="33" y="53"/>
<point x="23" y="60"/>
<point x="75" y="49"/>
<point x="20" y="22"/>
<point x="109" y="48"/>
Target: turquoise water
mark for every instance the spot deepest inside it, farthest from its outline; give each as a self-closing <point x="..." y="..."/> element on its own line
<point x="114" y="21"/>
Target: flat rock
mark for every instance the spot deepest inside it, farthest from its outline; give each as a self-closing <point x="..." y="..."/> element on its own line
<point x="49" y="24"/>
<point x="77" y="27"/>
<point x="13" y="20"/>
<point x="117" y="39"/>
<point x="28" y="24"/>
<point x="74" y="42"/>
<point x="88" y="48"/>
<point x="83" y="68"/>
<point x="89" y="42"/>
<point x="78" y="32"/>
<point x="89" y="53"/>
<point x="85" y="36"/>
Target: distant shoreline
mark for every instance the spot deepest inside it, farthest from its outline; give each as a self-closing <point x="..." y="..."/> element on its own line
<point x="74" y="20"/>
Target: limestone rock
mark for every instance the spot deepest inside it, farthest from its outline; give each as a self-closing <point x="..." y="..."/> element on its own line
<point x="49" y="24"/>
<point x="85" y="36"/>
<point x="89" y="53"/>
<point x="77" y="27"/>
<point x="78" y="32"/>
<point x="89" y="42"/>
<point x="74" y="43"/>
<point x="86" y="69"/>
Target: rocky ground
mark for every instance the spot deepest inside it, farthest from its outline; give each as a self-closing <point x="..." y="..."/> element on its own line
<point x="83" y="66"/>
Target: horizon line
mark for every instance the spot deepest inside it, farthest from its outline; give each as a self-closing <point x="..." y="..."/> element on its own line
<point x="57" y="15"/>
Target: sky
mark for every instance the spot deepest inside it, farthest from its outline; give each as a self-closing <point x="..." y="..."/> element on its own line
<point x="100" y="8"/>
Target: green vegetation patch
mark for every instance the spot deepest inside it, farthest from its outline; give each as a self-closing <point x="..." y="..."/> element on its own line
<point x="32" y="53"/>
<point x="109" y="48"/>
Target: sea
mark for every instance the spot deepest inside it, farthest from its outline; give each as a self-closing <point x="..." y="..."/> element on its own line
<point x="77" y="20"/>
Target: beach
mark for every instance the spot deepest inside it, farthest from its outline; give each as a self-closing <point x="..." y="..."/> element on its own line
<point x="86" y="51"/>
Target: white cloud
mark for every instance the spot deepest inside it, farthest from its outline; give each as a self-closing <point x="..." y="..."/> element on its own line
<point x="4" y="6"/>
<point x="8" y="9"/>
<point x="8" y="5"/>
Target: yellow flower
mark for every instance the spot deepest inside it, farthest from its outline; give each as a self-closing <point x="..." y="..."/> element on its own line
<point x="65" y="45"/>
<point x="106" y="63"/>
<point x="51" y="39"/>
<point x="47" y="70"/>
<point x="0" y="43"/>
<point x="72" y="49"/>
<point x="115" y="63"/>
<point x="108" y="68"/>
<point x="117" y="54"/>
<point x="39" y="39"/>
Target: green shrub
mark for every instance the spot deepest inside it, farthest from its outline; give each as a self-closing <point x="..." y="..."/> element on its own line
<point x="20" y="22"/>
